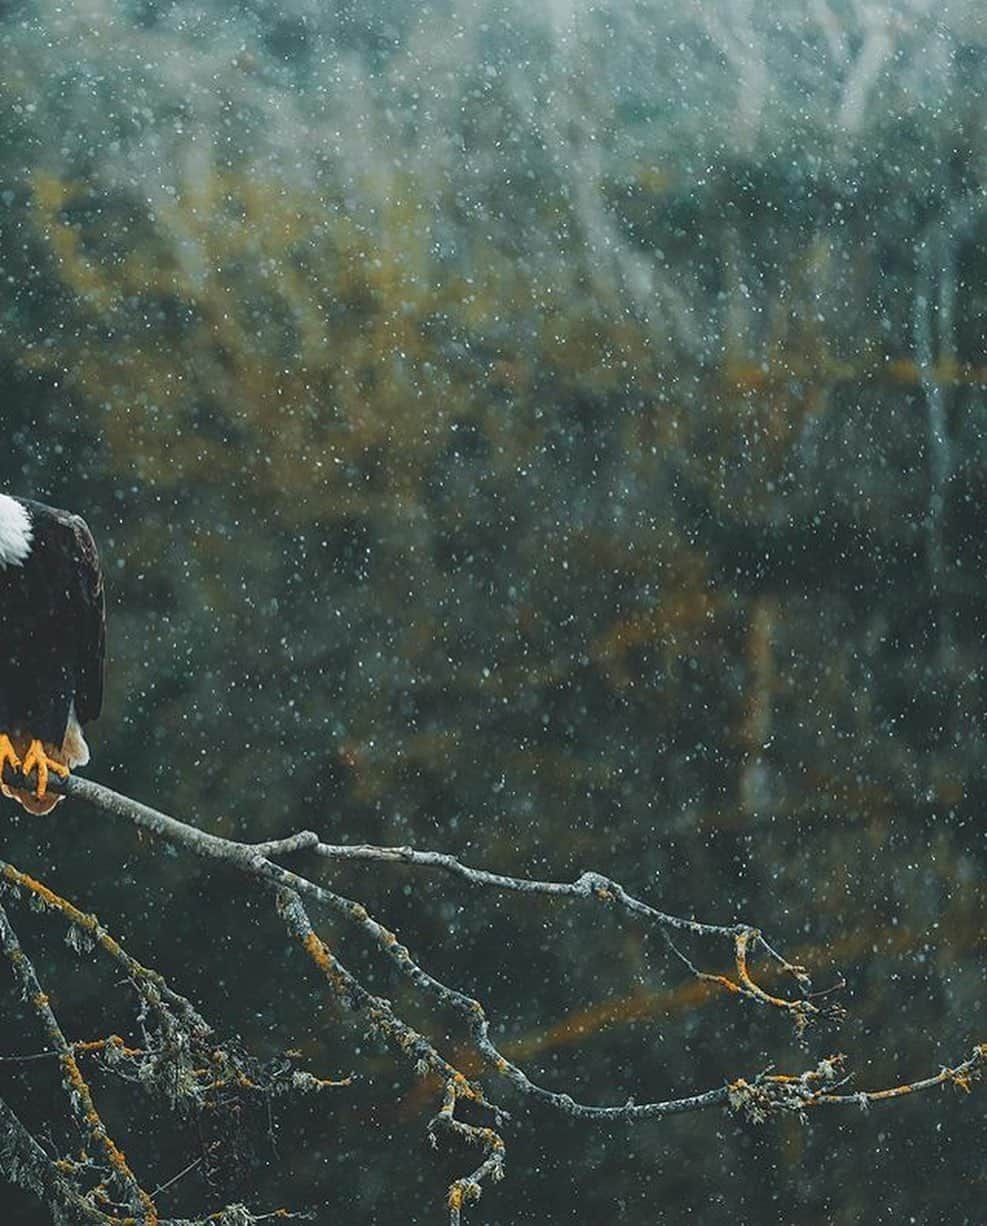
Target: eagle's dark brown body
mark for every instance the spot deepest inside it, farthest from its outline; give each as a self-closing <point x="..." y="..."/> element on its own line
<point x="52" y="630"/>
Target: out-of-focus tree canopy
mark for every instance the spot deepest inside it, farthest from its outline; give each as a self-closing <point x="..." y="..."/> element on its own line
<point x="554" y="433"/>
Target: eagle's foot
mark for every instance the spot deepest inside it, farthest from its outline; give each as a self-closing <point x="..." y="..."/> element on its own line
<point x="37" y="759"/>
<point x="8" y="755"/>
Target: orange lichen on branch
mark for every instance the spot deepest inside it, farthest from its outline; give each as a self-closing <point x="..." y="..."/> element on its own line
<point x="875" y="1096"/>
<point x="801" y="1010"/>
<point x="77" y="1088"/>
<point x="88" y="923"/>
<point x="468" y="1188"/>
<point x="330" y="1083"/>
<point x="114" y="1155"/>
<point x="774" y="1093"/>
<point x="415" y="1046"/>
<point x="962" y="1077"/>
<point x="317" y="951"/>
<point x="149" y="983"/>
<point x="640" y="1005"/>
<point x="86" y="1046"/>
<point x="350" y="992"/>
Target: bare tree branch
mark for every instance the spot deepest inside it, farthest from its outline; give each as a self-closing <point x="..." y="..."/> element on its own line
<point x="248" y="858"/>
<point x="173" y="1028"/>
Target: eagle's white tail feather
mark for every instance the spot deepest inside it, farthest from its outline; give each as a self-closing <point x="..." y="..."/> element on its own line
<point x="75" y="751"/>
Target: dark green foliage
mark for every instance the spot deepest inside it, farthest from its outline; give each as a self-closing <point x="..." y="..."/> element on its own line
<point x="533" y="463"/>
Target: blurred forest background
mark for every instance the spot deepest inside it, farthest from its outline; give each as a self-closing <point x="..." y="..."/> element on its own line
<point x="553" y="434"/>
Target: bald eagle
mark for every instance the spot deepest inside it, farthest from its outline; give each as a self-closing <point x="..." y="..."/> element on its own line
<point x="52" y="643"/>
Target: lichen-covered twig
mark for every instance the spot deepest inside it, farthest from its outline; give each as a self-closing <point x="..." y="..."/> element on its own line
<point x="412" y="1045"/>
<point x="181" y="1063"/>
<point x="86" y="929"/>
<point x="76" y="1087"/>
<point x="349" y="991"/>
<point x="776" y="1094"/>
<point x="468" y="1188"/>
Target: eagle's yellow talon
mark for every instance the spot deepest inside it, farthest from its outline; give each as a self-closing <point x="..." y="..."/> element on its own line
<point x="37" y="759"/>
<point x="8" y="756"/>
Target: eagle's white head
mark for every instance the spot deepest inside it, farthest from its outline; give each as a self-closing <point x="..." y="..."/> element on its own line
<point x="15" y="532"/>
